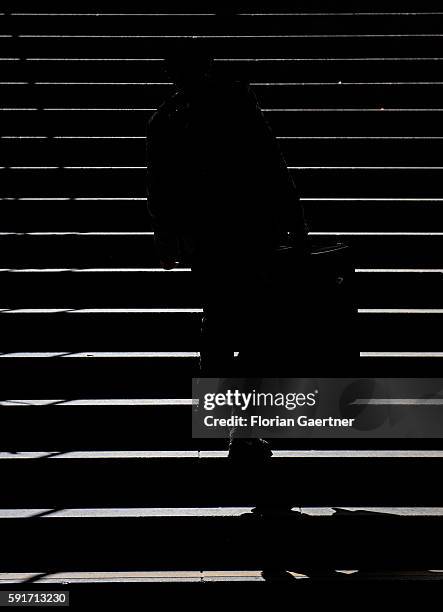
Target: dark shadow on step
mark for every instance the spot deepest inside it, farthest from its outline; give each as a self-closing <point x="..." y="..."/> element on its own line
<point x="273" y="575"/>
<point x="346" y="545"/>
<point x="36" y="577"/>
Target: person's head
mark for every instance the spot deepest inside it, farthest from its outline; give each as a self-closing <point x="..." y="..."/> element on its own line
<point x="187" y="62"/>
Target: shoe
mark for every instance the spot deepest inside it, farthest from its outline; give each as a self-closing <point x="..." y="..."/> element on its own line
<point x="245" y="449"/>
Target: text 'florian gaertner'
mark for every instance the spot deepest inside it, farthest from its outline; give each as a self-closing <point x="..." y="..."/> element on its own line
<point x="259" y="421"/>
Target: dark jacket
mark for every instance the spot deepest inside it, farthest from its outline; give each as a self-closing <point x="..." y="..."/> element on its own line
<point x="217" y="182"/>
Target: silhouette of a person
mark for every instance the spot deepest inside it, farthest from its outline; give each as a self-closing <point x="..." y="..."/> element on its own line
<point x="221" y="199"/>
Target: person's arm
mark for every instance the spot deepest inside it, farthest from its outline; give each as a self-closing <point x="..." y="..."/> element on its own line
<point x="294" y="221"/>
<point x="271" y="160"/>
<point x="159" y="204"/>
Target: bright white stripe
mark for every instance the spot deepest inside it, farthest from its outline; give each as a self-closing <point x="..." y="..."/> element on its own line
<point x="191" y="454"/>
<point x="408" y="401"/>
<point x="190" y="310"/>
<point x="95" y="59"/>
<point x="372" y="199"/>
<point x="24" y="137"/>
<point x="91" y="83"/>
<point x="132" y="577"/>
<point x="246" y="14"/>
<point x="37" y="199"/>
<point x="84" y="513"/>
<point x="358" y="137"/>
<point x="400" y="270"/>
<point x="363" y="167"/>
<point x="27" y="199"/>
<point x="264" y="110"/>
<point x="191" y="576"/>
<point x="329" y="454"/>
<point x="400" y="310"/>
<point x="224" y="36"/>
<point x="104" y="167"/>
<point x="44" y="270"/>
<point x="94" y="454"/>
<point x="335" y="15"/>
<point x="376" y="233"/>
<point x="290" y="167"/>
<point x="111" y="199"/>
<point x="143" y="199"/>
<point x="120" y="577"/>
<point x="112" y="14"/>
<point x="31" y="167"/>
<point x="76" y="234"/>
<point x="102" y="355"/>
<point x="100" y="310"/>
<point x="236" y="59"/>
<point x="48" y="513"/>
<point x="252" y="83"/>
<point x="359" y="270"/>
<point x="402" y="354"/>
<point x="399" y="511"/>
<point x="192" y="512"/>
<point x="74" y="167"/>
<point x="74" y="137"/>
<point x="100" y="137"/>
<point x="335" y="83"/>
<point x="82" y="109"/>
<point x="97" y="402"/>
<point x="123" y="234"/>
<point x="332" y="138"/>
<point x="349" y="110"/>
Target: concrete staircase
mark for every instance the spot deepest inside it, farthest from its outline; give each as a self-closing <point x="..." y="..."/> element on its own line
<point x="100" y="479"/>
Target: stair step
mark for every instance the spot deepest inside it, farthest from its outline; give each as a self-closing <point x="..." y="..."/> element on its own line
<point x="131" y="255"/>
<point x="110" y="375"/>
<point x="132" y="122"/>
<point x="221" y="543"/>
<point x="414" y="288"/>
<point x="130" y="423"/>
<point x="293" y="95"/>
<point x="178" y="579"/>
<point x="180" y="479"/>
<point x="107" y="331"/>
<point x="317" y="182"/>
<point x="197" y="6"/>
<point x="384" y="45"/>
<point x="219" y="512"/>
<point x="162" y="331"/>
<point x="297" y="22"/>
<point x="46" y="218"/>
<point x="105" y="288"/>
<point x="136" y="374"/>
<point x="147" y="288"/>
<point x="314" y="70"/>
<point x="153" y="424"/>
<point x="297" y="151"/>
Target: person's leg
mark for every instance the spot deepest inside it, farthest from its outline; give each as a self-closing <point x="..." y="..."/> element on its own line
<point x="216" y="343"/>
<point x="212" y="280"/>
<point x="234" y="321"/>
